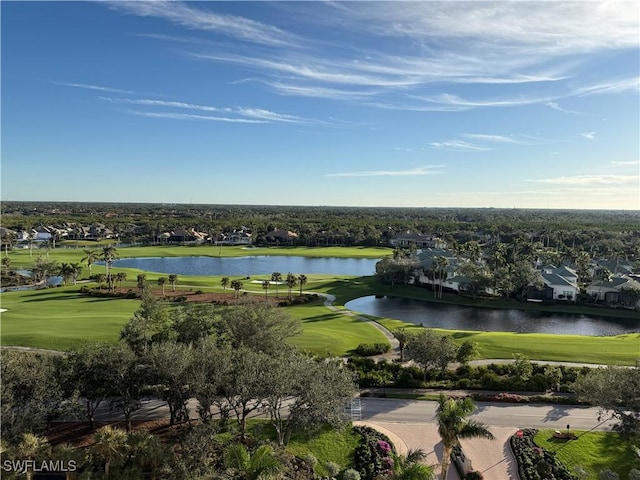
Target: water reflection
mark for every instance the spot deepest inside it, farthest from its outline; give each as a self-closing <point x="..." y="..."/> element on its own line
<point x="455" y="317"/>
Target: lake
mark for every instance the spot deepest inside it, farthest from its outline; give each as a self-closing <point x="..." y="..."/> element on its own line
<point x="454" y="317"/>
<point x="251" y="265"/>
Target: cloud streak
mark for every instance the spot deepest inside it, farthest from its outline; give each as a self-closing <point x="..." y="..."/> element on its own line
<point x="93" y="87"/>
<point x="588" y="180"/>
<point x="427" y="170"/>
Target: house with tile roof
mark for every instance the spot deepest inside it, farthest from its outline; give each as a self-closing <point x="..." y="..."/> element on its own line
<point x="610" y="290"/>
<point x="559" y="283"/>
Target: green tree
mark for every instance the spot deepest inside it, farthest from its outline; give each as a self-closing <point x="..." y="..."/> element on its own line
<point x="108" y="255"/>
<point x="261" y="464"/>
<point x="110" y="446"/>
<point x="616" y="391"/>
<point x="411" y="466"/>
<point x="276" y="278"/>
<point x="173" y="279"/>
<point x="431" y="350"/>
<point x="150" y="324"/>
<point x="453" y="425"/>
<point x="302" y="281"/>
<point x="265" y="286"/>
<point x="211" y="369"/>
<point x="467" y="351"/>
<point x="33" y="447"/>
<point x="90" y="257"/>
<point x="171" y="373"/>
<point x="128" y="382"/>
<point x="75" y="269"/>
<point x="402" y="336"/>
<point x="162" y="281"/>
<point x="258" y="326"/>
<point x="237" y="286"/>
<point x="291" y="282"/>
<point x="224" y="282"/>
<point x="141" y="282"/>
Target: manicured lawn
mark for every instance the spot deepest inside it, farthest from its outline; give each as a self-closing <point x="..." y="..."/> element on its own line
<point x="336" y="446"/>
<point x="59" y="318"/>
<point x="618" y="350"/>
<point x="593" y="451"/>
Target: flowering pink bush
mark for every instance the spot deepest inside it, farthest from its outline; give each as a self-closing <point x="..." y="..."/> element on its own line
<point x="388" y="462"/>
<point x="383" y="446"/>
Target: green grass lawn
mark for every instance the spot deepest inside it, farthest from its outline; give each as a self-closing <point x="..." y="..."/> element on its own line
<point x="593" y="451"/>
<point x="59" y="318"/>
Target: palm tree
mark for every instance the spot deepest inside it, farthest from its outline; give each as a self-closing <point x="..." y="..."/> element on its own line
<point x="453" y="425"/>
<point x="291" y="282"/>
<point x="162" y="282"/>
<point x="76" y="270"/>
<point x="147" y="450"/>
<point x="410" y="467"/>
<point x="265" y="286"/>
<point x="236" y="285"/>
<point x="6" y="263"/>
<point x="262" y="463"/>
<point x="224" y="282"/>
<point x="173" y="279"/>
<point x="111" y="445"/>
<point x="141" y="281"/>
<point x="109" y="254"/>
<point x="276" y="277"/>
<point x="64" y="272"/>
<point x="91" y="257"/>
<point x="402" y="336"/>
<point x="441" y="263"/>
<point x="33" y="447"/>
<point x="121" y="277"/>
<point x="302" y="281"/>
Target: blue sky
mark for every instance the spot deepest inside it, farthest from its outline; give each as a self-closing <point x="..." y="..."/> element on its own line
<point x="426" y="104"/>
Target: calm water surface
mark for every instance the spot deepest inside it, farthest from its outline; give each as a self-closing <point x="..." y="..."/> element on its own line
<point x="455" y="317"/>
<point x="252" y="265"/>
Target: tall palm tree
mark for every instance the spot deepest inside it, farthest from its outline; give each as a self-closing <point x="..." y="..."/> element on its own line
<point x="64" y="272"/>
<point x="441" y="263"/>
<point x="109" y="254"/>
<point x="111" y="445"/>
<point x="291" y="282"/>
<point x="402" y="336"/>
<point x="91" y="257"/>
<point x="141" y="281"/>
<point x="302" y="281"/>
<point x="33" y="447"/>
<point x="76" y="270"/>
<point x="121" y="277"/>
<point x="276" y="277"/>
<point x="173" y="279"/>
<point x="237" y="286"/>
<point x="162" y="281"/>
<point x="265" y="286"/>
<point x="453" y="425"/>
<point x="224" y="282"/>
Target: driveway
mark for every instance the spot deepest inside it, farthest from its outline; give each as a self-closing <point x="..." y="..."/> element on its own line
<point x="491" y="457"/>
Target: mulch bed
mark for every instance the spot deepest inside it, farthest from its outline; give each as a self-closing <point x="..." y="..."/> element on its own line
<point x="80" y="435"/>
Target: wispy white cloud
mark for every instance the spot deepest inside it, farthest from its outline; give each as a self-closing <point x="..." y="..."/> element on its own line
<point x="265" y="116"/>
<point x="180" y="13"/>
<point x="491" y="138"/>
<point x="557" y="107"/>
<point x="586" y="180"/>
<point x="190" y="116"/>
<point x="427" y="170"/>
<point x="93" y="87"/>
<point x="632" y="162"/>
<point x="460" y="145"/>
<point x="612" y="87"/>
<point x="589" y="135"/>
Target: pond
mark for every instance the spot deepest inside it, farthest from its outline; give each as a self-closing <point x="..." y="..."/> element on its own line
<point x="251" y="265"/>
<point x="454" y="317"/>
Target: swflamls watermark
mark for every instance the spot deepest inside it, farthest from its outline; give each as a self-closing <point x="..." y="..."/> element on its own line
<point x="24" y="466"/>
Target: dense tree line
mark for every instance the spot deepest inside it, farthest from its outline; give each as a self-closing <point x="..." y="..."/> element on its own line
<point x="589" y="230"/>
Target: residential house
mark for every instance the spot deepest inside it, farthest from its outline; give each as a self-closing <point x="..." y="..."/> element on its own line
<point x="236" y="237"/>
<point x="611" y="290"/>
<point x="189" y="235"/>
<point x="280" y="236"/>
<point x="407" y="239"/>
<point x="560" y="283"/>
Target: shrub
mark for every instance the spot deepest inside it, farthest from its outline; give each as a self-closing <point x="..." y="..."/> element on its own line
<point x="607" y="474"/>
<point x="634" y="474"/>
<point x="332" y="468"/>
<point x="370" y="453"/>
<point x="474" y="475"/>
<point x="369" y="349"/>
<point x="350" y="474"/>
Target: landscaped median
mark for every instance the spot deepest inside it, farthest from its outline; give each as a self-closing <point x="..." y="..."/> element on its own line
<point x="543" y="454"/>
